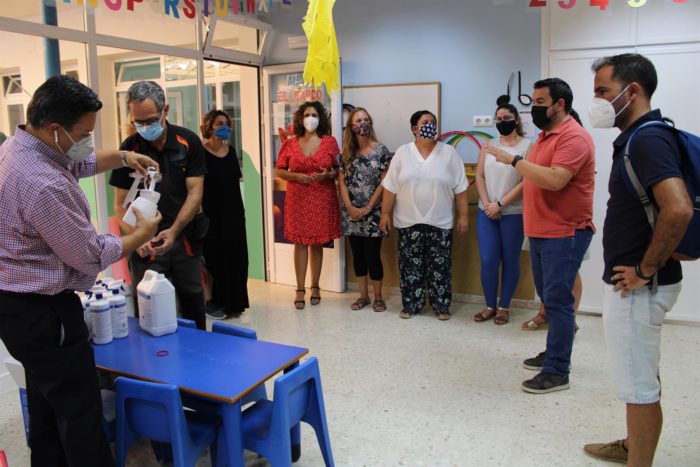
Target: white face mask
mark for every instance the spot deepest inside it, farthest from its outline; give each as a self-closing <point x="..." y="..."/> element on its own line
<point x="601" y="112"/>
<point x="79" y="151"/>
<point x="310" y="123"/>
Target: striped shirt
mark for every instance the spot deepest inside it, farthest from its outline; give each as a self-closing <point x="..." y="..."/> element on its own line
<point x="47" y="242"/>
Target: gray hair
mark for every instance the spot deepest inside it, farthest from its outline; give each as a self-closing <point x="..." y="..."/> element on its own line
<point x="142" y="90"/>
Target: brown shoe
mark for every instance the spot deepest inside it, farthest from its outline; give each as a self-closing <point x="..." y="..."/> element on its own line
<point x="614" y="451"/>
<point x="538" y="322"/>
<point x="484" y="315"/>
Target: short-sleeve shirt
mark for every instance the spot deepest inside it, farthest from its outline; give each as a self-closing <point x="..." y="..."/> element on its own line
<point x="362" y="180"/>
<point x="182" y="156"/>
<point x="425" y="188"/>
<point x="655" y="157"/>
<point x="558" y="214"/>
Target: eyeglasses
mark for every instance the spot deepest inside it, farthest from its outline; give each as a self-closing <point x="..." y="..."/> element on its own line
<point x="146" y="121"/>
<point x="507" y="118"/>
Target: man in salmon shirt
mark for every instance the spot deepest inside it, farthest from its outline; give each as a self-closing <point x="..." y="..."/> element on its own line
<point x="559" y="176"/>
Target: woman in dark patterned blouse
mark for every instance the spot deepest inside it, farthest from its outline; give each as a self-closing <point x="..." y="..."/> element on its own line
<point x="364" y="164"/>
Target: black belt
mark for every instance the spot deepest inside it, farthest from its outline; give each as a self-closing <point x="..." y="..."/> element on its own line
<point x="34" y="295"/>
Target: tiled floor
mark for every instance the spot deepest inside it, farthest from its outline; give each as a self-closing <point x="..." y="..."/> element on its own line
<point x="422" y="392"/>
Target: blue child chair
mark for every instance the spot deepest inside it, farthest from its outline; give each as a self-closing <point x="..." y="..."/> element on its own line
<point x="258" y="393"/>
<point x="186" y="323"/>
<point x="154" y="411"/>
<point x="297" y="397"/>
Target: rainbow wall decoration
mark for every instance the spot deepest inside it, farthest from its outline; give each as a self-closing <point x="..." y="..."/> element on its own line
<point x="453" y="138"/>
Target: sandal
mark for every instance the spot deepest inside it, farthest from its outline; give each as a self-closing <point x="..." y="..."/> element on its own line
<point x="359" y="304"/>
<point x="538" y="322"/>
<point x="485" y="315"/>
<point x="443" y="315"/>
<point x="501" y="319"/>
<point x="300" y="304"/>
<point x="406" y="314"/>
<point x="379" y="305"/>
<point x="315" y="299"/>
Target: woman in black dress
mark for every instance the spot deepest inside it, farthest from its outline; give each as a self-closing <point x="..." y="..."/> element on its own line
<point x="225" y="245"/>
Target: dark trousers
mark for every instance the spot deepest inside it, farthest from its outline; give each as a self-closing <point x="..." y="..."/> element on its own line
<point x="182" y="265"/>
<point x="366" y="256"/>
<point x="555" y="262"/>
<point x="48" y="335"/>
<point x="425" y="255"/>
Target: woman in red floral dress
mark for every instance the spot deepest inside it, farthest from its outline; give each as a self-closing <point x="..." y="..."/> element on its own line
<point x="309" y="164"/>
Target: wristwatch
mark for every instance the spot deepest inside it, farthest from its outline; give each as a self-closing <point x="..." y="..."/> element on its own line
<point x="640" y="274"/>
<point x="122" y="155"/>
<point x="516" y="159"/>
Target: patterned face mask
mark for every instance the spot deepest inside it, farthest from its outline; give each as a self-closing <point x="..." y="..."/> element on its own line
<point x="427" y="131"/>
<point x="362" y="128"/>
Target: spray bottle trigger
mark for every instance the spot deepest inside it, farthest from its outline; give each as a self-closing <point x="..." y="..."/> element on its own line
<point x="131" y="195"/>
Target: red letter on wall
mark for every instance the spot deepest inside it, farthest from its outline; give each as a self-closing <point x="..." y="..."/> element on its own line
<point x="250" y="6"/>
<point x="115" y="5"/>
<point x="130" y="4"/>
<point x="188" y="9"/>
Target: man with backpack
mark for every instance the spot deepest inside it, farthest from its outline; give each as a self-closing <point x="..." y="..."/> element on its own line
<point x="643" y="278"/>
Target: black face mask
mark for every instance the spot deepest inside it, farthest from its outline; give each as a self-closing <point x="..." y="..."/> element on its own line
<point x="539" y="116"/>
<point x="506" y="127"/>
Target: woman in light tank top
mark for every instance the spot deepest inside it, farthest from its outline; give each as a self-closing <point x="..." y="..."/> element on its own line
<point x="500" y="218"/>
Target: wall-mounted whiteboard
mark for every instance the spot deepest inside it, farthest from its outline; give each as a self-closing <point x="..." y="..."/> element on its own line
<point x="391" y="107"/>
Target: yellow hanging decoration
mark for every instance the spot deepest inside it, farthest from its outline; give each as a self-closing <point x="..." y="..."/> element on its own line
<point x="322" y="58"/>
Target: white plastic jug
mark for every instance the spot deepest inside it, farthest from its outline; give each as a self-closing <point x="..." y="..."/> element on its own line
<point x="156" y="298"/>
<point x="117" y="309"/>
<point x="101" y="322"/>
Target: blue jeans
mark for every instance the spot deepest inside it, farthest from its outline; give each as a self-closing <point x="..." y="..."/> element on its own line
<point x="500" y="243"/>
<point x="555" y="262"/>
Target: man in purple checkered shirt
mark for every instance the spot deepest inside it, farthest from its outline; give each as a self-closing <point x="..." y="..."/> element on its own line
<point x="48" y="249"/>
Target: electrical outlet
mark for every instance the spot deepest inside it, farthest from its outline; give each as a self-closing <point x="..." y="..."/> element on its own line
<point x="483" y="120"/>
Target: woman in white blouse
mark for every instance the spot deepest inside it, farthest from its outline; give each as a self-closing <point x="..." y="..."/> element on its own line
<point x="500" y="217"/>
<point x="422" y="186"/>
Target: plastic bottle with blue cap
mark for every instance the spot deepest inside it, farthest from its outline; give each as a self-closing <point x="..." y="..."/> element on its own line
<point x="117" y="306"/>
<point x="101" y="320"/>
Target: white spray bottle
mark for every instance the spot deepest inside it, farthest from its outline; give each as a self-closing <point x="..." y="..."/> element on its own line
<point x="147" y="202"/>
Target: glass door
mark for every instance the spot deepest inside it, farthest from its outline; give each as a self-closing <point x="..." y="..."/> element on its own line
<point x="284" y="91"/>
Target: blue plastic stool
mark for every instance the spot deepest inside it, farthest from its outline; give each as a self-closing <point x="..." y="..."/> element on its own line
<point x="298" y="397"/>
<point x="154" y="411"/>
<point x="186" y="323"/>
<point x="258" y="393"/>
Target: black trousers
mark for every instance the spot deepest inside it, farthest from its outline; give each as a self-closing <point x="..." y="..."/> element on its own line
<point x="182" y="265"/>
<point x="48" y="336"/>
<point x="366" y="256"/>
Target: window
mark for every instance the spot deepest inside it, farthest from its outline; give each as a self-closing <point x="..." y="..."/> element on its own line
<point x="12" y="84"/>
<point x="15" y="116"/>
<point x="137" y="70"/>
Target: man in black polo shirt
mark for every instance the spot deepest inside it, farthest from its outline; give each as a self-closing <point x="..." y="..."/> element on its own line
<point x="633" y="310"/>
<point x="177" y="249"/>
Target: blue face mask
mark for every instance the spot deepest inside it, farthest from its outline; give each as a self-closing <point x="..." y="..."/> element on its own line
<point x="151" y="132"/>
<point x="223" y="132"/>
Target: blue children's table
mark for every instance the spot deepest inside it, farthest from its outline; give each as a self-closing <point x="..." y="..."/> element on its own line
<point x="211" y="366"/>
